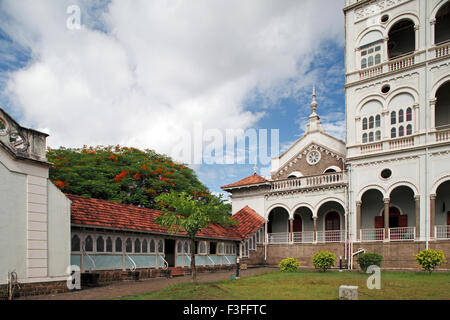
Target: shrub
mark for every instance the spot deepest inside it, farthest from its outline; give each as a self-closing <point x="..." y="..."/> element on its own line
<point x="289" y="265"/>
<point x="324" y="260"/>
<point x="430" y="259"/>
<point x="368" y="259"/>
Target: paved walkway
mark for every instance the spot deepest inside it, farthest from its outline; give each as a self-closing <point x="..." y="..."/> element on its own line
<point x="130" y="288"/>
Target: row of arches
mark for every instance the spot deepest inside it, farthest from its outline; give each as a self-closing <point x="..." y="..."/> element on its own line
<point x="304" y="224"/>
<point x="402" y="37"/>
<point x="403" y="205"/>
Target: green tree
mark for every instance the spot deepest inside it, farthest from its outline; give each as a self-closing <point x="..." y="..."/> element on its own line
<point x="121" y="174"/>
<point x="183" y="212"/>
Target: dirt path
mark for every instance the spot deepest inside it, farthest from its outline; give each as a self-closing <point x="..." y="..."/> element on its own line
<point x="129" y="288"/>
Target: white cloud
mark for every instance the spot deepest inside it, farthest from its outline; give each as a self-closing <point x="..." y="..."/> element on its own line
<point x="160" y="66"/>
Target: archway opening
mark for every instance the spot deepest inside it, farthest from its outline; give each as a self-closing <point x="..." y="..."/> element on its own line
<point x="278" y="226"/>
<point x="303" y="226"/>
<point x="442" y="111"/>
<point x="442" y="211"/>
<point x="331" y="222"/>
<point x="442" y="26"/>
<point x="402" y="39"/>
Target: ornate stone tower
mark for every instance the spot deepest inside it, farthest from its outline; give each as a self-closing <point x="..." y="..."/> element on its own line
<point x="398" y="119"/>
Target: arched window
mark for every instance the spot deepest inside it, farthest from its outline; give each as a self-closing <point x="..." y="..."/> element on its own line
<point x="402" y="39"/>
<point x="160" y="246"/>
<point x="378" y="135"/>
<point x="118" y="245"/>
<point x="152" y="246"/>
<point x="88" y="244"/>
<point x="179" y="247"/>
<point x="409" y="130"/>
<point x="442" y="26"/>
<point x="129" y="245"/>
<point x="409" y="114"/>
<point x="371" y="137"/>
<point x="393" y="117"/>
<point x="378" y="59"/>
<point x="364" y="124"/>
<point x="144" y="246"/>
<point x="442" y="109"/>
<point x="137" y="246"/>
<point x="364" y="138"/>
<point x="378" y="121"/>
<point x="401" y="131"/>
<point x="109" y="244"/>
<point x="370" y="62"/>
<point x="371" y="122"/>
<point x="363" y="63"/>
<point x="100" y="244"/>
<point x="186" y="247"/>
<point x="76" y="243"/>
<point x="401" y="116"/>
<point x="393" y="133"/>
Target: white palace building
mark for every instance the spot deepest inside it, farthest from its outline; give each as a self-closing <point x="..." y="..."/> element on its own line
<point x="326" y="194"/>
<point x="386" y="189"/>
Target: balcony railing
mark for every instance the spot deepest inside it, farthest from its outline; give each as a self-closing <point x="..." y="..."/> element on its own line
<point x="372" y="235"/>
<point x="442" y="136"/>
<point x="303" y="237"/>
<point x="401" y="143"/>
<point x="309" y="182"/>
<point x="402" y="63"/>
<point x="442" y="50"/>
<point x="281" y="238"/>
<point x="402" y="234"/>
<point x="330" y="236"/>
<point x="374" y="147"/>
<point x="442" y="232"/>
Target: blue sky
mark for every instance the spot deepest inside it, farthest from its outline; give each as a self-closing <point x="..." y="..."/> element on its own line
<point x="143" y="73"/>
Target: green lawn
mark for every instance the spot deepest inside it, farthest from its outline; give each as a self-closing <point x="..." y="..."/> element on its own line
<point x="309" y="285"/>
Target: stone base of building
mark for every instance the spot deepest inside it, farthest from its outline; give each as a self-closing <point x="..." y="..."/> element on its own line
<point x="396" y="255"/>
<point x="103" y="277"/>
<point x="35" y="289"/>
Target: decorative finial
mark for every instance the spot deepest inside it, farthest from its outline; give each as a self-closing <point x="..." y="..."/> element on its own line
<point x="314" y="102"/>
<point x="255" y="168"/>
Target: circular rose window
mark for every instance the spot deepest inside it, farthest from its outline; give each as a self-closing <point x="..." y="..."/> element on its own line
<point x="313" y="157"/>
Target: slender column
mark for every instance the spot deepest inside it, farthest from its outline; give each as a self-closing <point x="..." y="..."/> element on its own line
<point x="417" y="199"/>
<point x="416" y="29"/>
<point x="358" y="220"/>
<point x="266" y="235"/>
<point x="315" y="228"/>
<point x="291" y="229"/>
<point x="386" y="217"/>
<point x="416" y="118"/>
<point x="432" y="214"/>
<point x="433" y="114"/>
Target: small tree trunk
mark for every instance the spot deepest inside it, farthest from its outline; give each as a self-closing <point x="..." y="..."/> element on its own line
<point x="193" y="270"/>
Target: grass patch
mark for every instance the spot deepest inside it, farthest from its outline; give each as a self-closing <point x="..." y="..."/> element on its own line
<point x="309" y="285"/>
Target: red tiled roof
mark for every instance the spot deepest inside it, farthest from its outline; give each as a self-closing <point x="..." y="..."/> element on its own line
<point x="102" y="213"/>
<point x="249" y="220"/>
<point x="253" y="179"/>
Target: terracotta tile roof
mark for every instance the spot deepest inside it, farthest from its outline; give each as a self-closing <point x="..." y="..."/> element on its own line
<point x="249" y="220"/>
<point x="102" y="213"/>
<point x="253" y="179"/>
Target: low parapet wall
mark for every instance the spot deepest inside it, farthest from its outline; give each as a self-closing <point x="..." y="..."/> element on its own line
<point x="396" y="255"/>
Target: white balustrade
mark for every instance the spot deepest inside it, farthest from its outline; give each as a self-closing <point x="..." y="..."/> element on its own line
<point x="372" y="235"/>
<point x="308" y="182"/>
<point x="402" y="234"/>
<point x="442" y="232"/>
<point x="330" y="236"/>
<point x="303" y="237"/>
